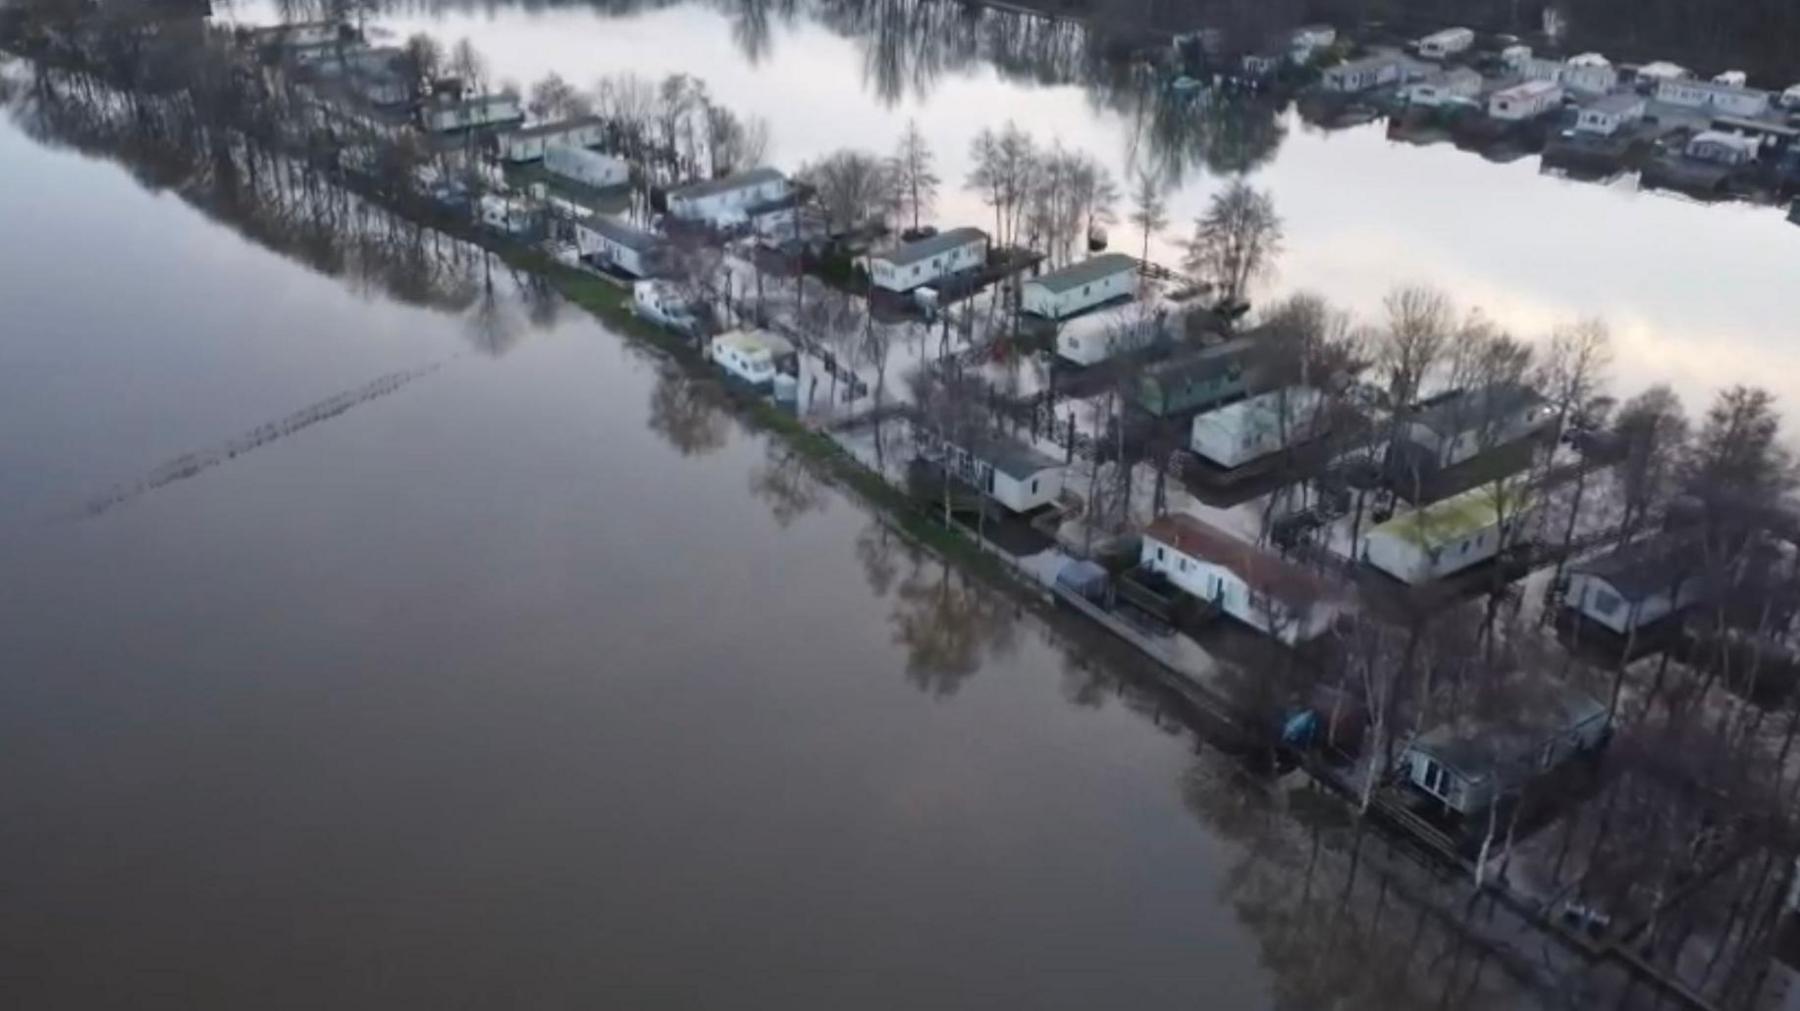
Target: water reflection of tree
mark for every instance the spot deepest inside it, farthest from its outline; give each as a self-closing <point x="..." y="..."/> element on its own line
<point x="1342" y="921"/>
<point x="689" y="414"/>
<point x="183" y="135"/>
<point x="786" y="483"/>
<point x="1177" y="134"/>
<point x="879" y="550"/>
<point x="948" y="624"/>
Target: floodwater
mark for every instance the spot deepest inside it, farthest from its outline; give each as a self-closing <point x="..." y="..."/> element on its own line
<point x="1698" y="296"/>
<point x="530" y="682"/>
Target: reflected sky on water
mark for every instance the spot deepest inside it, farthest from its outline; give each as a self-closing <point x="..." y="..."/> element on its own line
<point x="1699" y="296"/>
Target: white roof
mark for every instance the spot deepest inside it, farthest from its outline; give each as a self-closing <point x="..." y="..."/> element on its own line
<point x="1528" y="89"/>
<point x="754" y="342"/>
<point x="1793" y="92"/>
<point x="1264" y="411"/>
<point x="1736" y="78"/>
<point x="1724" y="139"/>
<point x="1589" y="60"/>
<point x="1448" y="34"/>
<point x="1663" y="69"/>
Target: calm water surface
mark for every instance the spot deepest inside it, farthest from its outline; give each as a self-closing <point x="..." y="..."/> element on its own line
<point x="1698" y="296"/>
<point x="510" y="688"/>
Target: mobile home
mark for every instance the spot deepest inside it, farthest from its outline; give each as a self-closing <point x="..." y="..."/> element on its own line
<point x="619" y="246"/>
<point x="723" y="203"/>
<point x="1637" y="585"/>
<point x="928" y="260"/>
<point x="1420" y="545"/>
<point x="1532" y="728"/>
<point x="1729" y="99"/>
<point x="661" y="303"/>
<point x="1198" y="380"/>
<point x="1265" y="424"/>
<point x="1607" y="116"/>
<point x="1308" y="40"/>
<point x="528" y="142"/>
<point x="1466" y="423"/>
<point x="753" y="357"/>
<point x="1721" y="148"/>
<point x="449" y="115"/>
<point x="1590" y="74"/>
<point x="1362" y="75"/>
<point x="1005" y="470"/>
<point x="1528" y="100"/>
<point x="1446" y="87"/>
<point x="1063" y="293"/>
<point x="589" y="168"/>
<point x="1271" y="595"/>
<point x="1449" y="42"/>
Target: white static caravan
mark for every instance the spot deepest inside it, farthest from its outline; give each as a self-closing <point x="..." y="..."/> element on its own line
<point x="1362" y="75"/>
<point x="589" y="168"/>
<point x="302" y="33"/>
<point x="1528" y="100"/>
<point x="755" y="357"/>
<point x="1446" y="87"/>
<point x="1307" y="40"/>
<point x="1725" y="98"/>
<point x="660" y="303"/>
<point x="1609" y="115"/>
<point x="1462" y="425"/>
<point x="1449" y="42"/>
<point x="619" y="246"/>
<point x="724" y="203"/>
<point x="1251" y="429"/>
<point x="1095" y="336"/>
<point x="527" y="143"/>
<point x="1734" y="78"/>
<point x="1097" y="279"/>
<point x="1637" y="585"/>
<point x="1590" y="74"/>
<point x="449" y="115"/>
<point x="1721" y="148"/>
<point x="1790" y="99"/>
<point x="908" y="266"/>
<point x="1421" y="545"/>
<point x="508" y="214"/>
<point x="1534" y="727"/>
<point x="1270" y="595"/>
<point x="1005" y="470"/>
<point x="1662" y="70"/>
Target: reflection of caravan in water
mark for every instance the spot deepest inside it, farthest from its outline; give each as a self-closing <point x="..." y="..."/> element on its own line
<point x="753" y="356"/>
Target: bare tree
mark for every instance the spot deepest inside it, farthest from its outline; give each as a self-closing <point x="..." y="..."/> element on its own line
<point x="915" y="179"/>
<point x="552" y="97"/>
<point x="1651" y="433"/>
<point x="1004" y="164"/>
<point x="852" y="188"/>
<point x="467" y="64"/>
<point x="1235" y="242"/>
<point x="421" y="62"/>
<point x="1149" y="208"/>
<point x="1573" y="376"/>
<point x="734" y="144"/>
